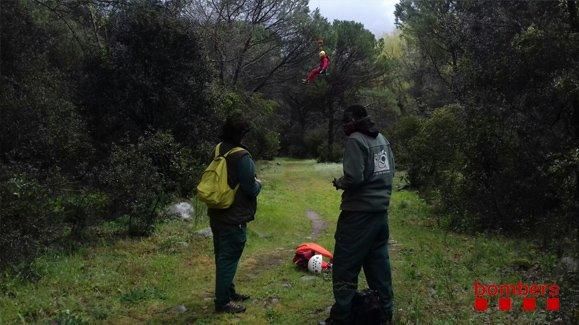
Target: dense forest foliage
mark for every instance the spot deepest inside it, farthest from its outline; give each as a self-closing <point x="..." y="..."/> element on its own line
<point x="497" y="84"/>
<point x="109" y="108"/>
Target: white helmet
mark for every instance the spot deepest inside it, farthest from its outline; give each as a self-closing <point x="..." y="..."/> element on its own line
<point x="315" y="264"/>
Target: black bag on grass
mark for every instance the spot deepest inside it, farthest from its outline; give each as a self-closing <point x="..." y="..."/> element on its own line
<point x="366" y="308"/>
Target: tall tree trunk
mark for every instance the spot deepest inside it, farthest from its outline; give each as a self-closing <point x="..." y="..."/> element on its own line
<point x="575" y="215"/>
<point x="1" y="25"/>
<point x="572" y="9"/>
<point x="241" y="58"/>
<point x="95" y="27"/>
<point x="302" y="120"/>
<point x="574" y="26"/>
<point x="330" y="104"/>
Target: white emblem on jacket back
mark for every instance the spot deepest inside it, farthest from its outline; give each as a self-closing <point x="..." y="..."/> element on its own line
<point x="381" y="162"/>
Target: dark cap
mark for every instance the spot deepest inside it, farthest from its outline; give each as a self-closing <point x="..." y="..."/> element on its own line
<point x="235" y="127"/>
<point x="356" y="112"/>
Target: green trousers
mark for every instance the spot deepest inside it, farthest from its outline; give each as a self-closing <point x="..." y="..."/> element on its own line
<point x="228" y="244"/>
<point x="361" y="242"/>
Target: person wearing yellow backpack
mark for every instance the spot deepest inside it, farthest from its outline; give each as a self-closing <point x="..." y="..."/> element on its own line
<point x="229" y="225"/>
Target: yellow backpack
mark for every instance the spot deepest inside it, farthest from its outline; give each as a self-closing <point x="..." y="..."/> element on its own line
<point x="213" y="188"/>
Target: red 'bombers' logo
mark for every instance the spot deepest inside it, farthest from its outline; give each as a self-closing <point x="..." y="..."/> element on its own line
<point x="505" y="293"/>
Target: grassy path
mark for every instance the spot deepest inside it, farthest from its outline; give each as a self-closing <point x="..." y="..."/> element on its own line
<point x="136" y="281"/>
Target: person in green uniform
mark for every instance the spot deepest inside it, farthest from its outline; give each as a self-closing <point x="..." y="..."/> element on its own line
<point x="362" y="231"/>
<point x="229" y="226"/>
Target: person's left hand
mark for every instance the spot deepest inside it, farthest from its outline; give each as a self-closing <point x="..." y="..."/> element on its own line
<point x="337" y="183"/>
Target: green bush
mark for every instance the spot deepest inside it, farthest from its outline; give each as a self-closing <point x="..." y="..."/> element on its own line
<point x="430" y="149"/>
<point x="179" y="165"/>
<point x="334" y="154"/>
<point x="264" y="143"/>
<point x="489" y="179"/>
<point x="407" y="128"/>
<point x="432" y="152"/>
<point x="28" y="220"/>
<point x="313" y="141"/>
<point x="81" y="209"/>
<point x="135" y="185"/>
<point x="142" y="177"/>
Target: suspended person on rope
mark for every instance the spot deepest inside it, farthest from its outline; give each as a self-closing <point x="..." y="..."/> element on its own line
<point x="321" y="69"/>
<point x="362" y="231"/>
<point x="229" y="222"/>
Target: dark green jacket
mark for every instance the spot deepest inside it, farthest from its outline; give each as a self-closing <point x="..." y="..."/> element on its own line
<point x="368" y="173"/>
<point x="240" y="171"/>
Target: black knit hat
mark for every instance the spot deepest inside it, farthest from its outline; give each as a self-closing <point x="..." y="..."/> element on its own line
<point x="362" y="122"/>
<point x="357" y="112"/>
<point x="235" y="127"/>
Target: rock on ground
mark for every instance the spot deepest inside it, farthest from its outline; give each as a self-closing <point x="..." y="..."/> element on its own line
<point x="205" y="232"/>
<point x="569" y="264"/>
<point x="181" y="210"/>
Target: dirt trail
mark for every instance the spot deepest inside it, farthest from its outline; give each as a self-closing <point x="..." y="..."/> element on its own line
<point x="318" y="225"/>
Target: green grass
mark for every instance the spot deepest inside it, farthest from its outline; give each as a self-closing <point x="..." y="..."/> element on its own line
<point x="142" y="280"/>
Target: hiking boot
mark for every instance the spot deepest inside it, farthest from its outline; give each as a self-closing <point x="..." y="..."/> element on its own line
<point x="239" y="297"/>
<point x="231" y="308"/>
<point x="387" y="319"/>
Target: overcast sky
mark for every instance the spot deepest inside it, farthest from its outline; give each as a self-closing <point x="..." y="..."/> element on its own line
<point x="376" y="15"/>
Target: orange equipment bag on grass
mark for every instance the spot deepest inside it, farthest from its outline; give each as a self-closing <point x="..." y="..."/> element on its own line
<point x="305" y="251"/>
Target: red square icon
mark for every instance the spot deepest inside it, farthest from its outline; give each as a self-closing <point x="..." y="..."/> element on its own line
<point x="529" y="304"/>
<point x="481" y="304"/>
<point x="553" y="304"/>
<point x="505" y="304"/>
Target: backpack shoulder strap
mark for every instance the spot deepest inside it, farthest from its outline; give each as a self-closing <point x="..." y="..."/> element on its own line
<point x="217" y="148"/>
<point x="233" y="151"/>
